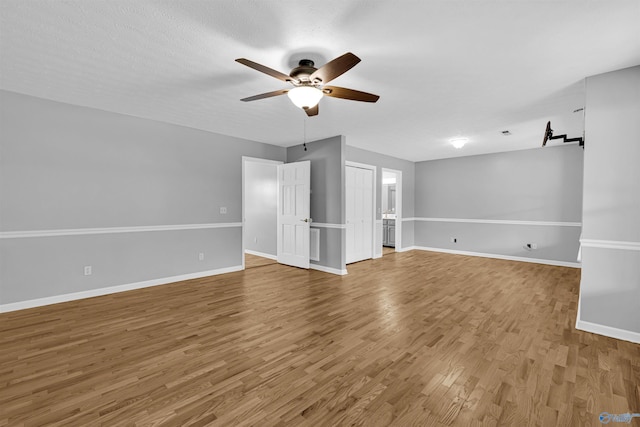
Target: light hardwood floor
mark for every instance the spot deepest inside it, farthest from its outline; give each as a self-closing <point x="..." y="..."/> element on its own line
<point x="388" y="251"/>
<point x="251" y="261"/>
<point x="412" y="338"/>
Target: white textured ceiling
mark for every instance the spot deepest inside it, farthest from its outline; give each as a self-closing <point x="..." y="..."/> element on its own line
<point x="442" y="68"/>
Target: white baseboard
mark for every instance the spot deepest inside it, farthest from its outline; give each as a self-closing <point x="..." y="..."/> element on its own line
<point x="261" y="254"/>
<point x="497" y="256"/>
<point x="406" y="249"/>
<point x="608" y="331"/>
<point x="328" y="269"/>
<point x="39" y="302"/>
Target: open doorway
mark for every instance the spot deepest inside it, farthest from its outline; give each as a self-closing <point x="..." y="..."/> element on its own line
<point x="391" y="207"/>
<point x="259" y="211"/>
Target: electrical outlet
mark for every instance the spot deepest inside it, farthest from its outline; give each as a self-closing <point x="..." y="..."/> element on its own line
<point x="201" y="256"/>
<point x="454" y="240"/>
<point x="87" y="270"/>
<point x="255" y="240"/>
<point x="223" y="210"/>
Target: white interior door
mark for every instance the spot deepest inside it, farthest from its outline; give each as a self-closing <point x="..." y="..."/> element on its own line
<point x="294" y="185"/>
<point x="359" y="214"/>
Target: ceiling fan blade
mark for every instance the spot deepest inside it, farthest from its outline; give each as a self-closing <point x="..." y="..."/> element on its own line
<point x="344" y="93"/>
<point x="333" y="69"/>
<point x="313" y="111"/>
<point x="265" y="95"/>
<point x="270" y="71"/>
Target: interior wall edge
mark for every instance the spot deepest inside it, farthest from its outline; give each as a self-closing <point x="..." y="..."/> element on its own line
<point x="608" y="331"/>
<point x="260" y="254"/>
<point x="498" y="256"/>
<point x="39" y="302"/>
<point x="329" y="257"/>
<point x="520" y="240"/>
<point x="44" y="267"/>
<point x="325" y="269"/>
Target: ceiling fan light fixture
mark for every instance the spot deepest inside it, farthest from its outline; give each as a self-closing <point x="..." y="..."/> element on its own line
<point x="305" y="96"/>
<point x="309" y="81"/>
<point x="459" y="142"/>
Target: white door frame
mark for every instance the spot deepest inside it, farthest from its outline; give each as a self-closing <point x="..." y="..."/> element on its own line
<point x="373" y="210"/>
<point x="398" y="174"/>
<point x="254" y="160"/>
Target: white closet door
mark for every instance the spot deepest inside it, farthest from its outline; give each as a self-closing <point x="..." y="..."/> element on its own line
<point x="349" y="209"/>
<point x="359" y="214"/>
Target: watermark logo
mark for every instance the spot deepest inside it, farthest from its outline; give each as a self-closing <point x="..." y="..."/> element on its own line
<point x="606" y="418"/>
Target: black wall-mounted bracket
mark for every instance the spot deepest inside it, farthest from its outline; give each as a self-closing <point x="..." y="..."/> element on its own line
<point x="548" y="134"/>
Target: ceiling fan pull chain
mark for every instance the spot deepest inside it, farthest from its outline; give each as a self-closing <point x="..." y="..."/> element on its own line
<point x="304" y="140"/>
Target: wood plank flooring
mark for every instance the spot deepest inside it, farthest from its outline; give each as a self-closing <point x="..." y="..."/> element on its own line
<point x="251" y="261"/>
<point x="388" y="251"/>
<point x="410" y="339"/>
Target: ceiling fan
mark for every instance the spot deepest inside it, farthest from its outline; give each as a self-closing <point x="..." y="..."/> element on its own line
<point x="309" y="83"/>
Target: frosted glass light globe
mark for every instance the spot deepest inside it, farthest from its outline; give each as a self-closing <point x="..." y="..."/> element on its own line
<point x="305" y="96"/>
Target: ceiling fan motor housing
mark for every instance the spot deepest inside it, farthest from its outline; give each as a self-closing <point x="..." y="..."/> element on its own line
<point x="304" y="69"/>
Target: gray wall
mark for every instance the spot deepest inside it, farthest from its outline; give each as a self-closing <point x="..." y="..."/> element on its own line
<point x="359" y="155"/>
<point x="70" y="167"/>
<point x="261" y="207"/>
<point x="327" y="195"/>
<point x="610" y="285"/>
<point x="34" y="268"/>
<point x="540" y="185"/>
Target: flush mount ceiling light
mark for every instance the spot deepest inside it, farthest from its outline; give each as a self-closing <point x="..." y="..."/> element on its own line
<point x="305" y="96"/>
<point x="459" y="142"/>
